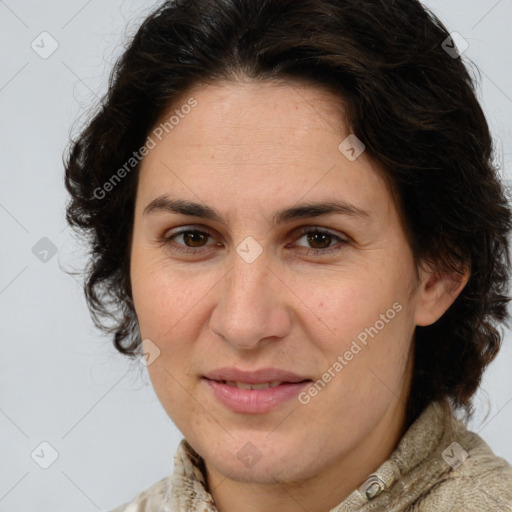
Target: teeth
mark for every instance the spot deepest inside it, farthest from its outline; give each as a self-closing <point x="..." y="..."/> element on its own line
<point x="242" y="385"/>
<point x="245" y="385"/>
<point x="265" y="385"/>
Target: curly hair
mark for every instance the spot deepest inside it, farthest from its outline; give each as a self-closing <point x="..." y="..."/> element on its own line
<point x="410" y="101"/>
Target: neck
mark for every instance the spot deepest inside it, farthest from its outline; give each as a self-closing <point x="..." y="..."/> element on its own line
<point x="321" y="492"/>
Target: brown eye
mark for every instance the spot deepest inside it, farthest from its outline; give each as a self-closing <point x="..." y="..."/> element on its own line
<point x="194" y="238"/>
<point x="319" y="240"/>
<point x="189" y="240"/>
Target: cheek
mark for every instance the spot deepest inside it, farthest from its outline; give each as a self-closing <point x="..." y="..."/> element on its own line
<point x="343" y="305"/>
<point x="163" y="296"/>
<point x="173" y="391"/>
<point x="169" y="313"/>
<point x="367" y="321"/>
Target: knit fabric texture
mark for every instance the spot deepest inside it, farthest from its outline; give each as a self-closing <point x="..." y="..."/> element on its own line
<point x="437" y="466"/>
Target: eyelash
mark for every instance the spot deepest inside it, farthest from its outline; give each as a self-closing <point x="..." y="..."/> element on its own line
<point x="168" y="238"/>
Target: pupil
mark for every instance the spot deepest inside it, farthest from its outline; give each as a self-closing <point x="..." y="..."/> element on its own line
<point x="194" y="239"/>
<point x="322" y="238"/>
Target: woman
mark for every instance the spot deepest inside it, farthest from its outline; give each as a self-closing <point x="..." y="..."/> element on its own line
<point x="295" y="221"/>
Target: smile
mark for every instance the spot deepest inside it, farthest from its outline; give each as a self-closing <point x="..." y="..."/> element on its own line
<point x="254" y="398"/>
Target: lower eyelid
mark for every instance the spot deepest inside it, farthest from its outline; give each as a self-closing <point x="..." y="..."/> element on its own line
<point x="171" y="238"/>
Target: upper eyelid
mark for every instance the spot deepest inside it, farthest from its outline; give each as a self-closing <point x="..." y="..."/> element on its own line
<point x="300" y="230"/>
<point x="308" y="229"/>
<point x="206" y="229"/>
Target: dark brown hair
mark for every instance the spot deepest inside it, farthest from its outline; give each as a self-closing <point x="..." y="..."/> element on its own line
<point x="413" y="105"/>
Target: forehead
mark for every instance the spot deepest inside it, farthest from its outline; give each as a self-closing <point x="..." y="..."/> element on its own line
<point x="274" y="142"/>
<point x="283" y="115"/>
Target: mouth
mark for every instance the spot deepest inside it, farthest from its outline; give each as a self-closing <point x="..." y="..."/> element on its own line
<point x="254" y="392"/>
<point x="249" y="385"/>
<point x="271" y="376"/>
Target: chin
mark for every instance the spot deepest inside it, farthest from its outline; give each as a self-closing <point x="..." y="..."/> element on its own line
<point x="260" y="461"/>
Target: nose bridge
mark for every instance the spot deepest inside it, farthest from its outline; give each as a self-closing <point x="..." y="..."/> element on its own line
<point x="249" y="307"/>
<point x="246" y="281"/>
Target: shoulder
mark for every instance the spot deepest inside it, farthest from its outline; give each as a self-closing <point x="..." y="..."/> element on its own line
<point x="476" y="479"/>
<point x="152" y="499"/>
<point x="183" y="489"/>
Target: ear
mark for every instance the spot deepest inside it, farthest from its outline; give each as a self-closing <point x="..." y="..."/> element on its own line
<point x="436" y="293"/>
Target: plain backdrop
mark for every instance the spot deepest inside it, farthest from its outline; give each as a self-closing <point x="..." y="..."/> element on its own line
<point x="61" y="382"/>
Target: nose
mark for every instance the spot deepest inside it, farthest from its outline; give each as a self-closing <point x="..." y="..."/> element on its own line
<point x="251" y="305"/>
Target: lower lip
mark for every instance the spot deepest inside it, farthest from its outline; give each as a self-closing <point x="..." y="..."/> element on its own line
<point x="255" y="401"/>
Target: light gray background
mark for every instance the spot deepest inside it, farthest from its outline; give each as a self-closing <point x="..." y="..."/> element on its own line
<point x="60" y="381"/>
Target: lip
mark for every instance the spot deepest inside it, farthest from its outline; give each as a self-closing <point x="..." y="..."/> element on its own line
<point x="255" y="376"/>
<point x="254" y="401"/>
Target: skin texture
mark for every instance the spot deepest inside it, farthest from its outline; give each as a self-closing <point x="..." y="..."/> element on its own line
<point x="247" y="150"/>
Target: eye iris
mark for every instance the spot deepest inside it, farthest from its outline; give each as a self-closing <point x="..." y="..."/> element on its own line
<point x="316" y="240"/>
<point x="194" y="238"/>
<point x="324" y="239"/>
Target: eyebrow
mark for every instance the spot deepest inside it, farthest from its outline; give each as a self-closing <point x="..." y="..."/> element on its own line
<point x="307" y="210"/>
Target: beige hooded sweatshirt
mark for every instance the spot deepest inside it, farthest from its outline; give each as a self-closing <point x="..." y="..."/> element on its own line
<point x="437" y="466"/>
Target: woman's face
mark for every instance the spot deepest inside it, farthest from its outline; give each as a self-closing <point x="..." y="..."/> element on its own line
<point x="264" y="253"/>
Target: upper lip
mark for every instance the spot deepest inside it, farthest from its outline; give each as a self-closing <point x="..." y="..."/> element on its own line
<point x="259" y="376"/>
